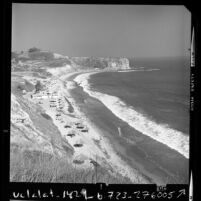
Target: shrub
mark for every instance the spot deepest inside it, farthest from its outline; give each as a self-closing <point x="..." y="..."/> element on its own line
<point x="29" y="86"/>
<point x="46" y="116"/>
<point x="38" y="55"/>
<point x="33" y="49"/>
<point x="38" y="86"/>
<point x="20" y="87"/>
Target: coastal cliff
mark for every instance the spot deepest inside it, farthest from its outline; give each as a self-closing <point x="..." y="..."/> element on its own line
<point x="51" y="139"/>
<point x="100" y="62"/>
<point x="36" y="58"/>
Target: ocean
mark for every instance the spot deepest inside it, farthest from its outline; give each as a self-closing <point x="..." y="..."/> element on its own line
<point x="152" y="99"/>
<point x="162" y="95"/>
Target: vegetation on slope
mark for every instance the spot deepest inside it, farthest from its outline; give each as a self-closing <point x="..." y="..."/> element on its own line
<point x="38" y="86"/>
<point x="59" y="63"/>
<point x="48" y="59"/>
<point x="17" y="87"/>
<point x="90" y="62"/>
<point x="36" y="166"/>
<point x="29" y="163"/>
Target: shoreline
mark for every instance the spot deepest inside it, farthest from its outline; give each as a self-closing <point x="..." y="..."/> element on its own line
<point x="88" y="146"/>
<point x="149" y="146"/>
<point x="103" y="140"/>
<point x="153" y="178"/>
<point x="97" y="145"/>
<point x="137" y="120"/>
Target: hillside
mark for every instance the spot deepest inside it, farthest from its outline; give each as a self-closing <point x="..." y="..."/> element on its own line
<point x="46" y="142"/>
<point x="39" y="59"/>
<point x="39" y="152"/>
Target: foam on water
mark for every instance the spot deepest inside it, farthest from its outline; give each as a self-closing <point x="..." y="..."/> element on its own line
<point x="160" y="132"/>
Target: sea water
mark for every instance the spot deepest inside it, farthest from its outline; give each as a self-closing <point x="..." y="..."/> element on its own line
<point x="153" y="98"/>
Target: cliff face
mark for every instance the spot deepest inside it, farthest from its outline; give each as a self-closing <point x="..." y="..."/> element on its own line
<point x="122" y="63"/>
<point x="52" y="60"/>
<point x="100" y="63"/>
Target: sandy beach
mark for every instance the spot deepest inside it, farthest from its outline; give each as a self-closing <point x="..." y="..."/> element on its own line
<point x="95" y="135"/>
<point x="142" y="152"/>
<point x="90" y="144"/>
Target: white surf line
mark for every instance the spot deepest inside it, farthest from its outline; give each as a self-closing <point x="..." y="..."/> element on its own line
<point x="118" y="165"/>
<point x="161" y="133"/>
<point x="91" y="150"/>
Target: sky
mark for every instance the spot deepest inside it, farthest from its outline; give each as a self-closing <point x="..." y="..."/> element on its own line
<point x="102" y="30"/>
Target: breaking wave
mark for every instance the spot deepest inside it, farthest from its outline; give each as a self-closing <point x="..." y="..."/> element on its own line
<point x="160" y="132"/>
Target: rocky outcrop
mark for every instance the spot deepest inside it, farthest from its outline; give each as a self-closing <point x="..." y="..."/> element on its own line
<point x="100" y="62"/>
<point x="120" y="63"/>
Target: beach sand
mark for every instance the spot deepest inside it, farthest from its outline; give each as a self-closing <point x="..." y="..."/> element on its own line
<point x="89" y="145"/>
<point x="135" y="159"/>
<point x="158" y="162"/>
